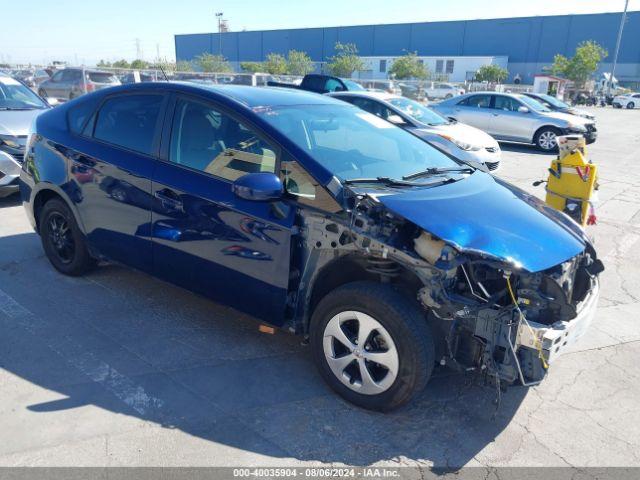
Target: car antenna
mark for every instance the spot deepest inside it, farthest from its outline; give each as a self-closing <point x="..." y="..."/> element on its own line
<point x="163" y="73"/>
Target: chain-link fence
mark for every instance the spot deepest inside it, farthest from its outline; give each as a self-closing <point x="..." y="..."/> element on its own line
<point x="70" y="82"/>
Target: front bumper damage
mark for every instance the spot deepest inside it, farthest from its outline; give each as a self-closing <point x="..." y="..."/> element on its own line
<point x="489" y="315"/>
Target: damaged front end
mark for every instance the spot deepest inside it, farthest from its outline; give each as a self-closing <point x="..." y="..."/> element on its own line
<point x="503" y="320"/>
<point x="490" y="313"/>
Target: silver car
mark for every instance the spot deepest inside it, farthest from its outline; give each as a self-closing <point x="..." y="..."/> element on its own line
<point x="516" y="118"/>
<point x="69" y="83"/>
<point x="18" y="107"/>
<point x="458" y="140"/>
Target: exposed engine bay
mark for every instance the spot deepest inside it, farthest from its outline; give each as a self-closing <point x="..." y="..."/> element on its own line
<point x="489" y="314"/>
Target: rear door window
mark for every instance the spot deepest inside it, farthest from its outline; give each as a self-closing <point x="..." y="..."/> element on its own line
<point x="129" y="121"/>
<point x="477" y="101"/>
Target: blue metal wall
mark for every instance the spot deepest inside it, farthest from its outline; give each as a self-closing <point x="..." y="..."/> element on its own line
<point x="529" y="42"/>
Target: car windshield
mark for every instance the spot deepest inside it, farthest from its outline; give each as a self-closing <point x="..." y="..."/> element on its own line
<point x="553" y="101"/>
<point x="418" y="111"/>
<point x="15" y="96"/>
<point x="354" y="144"/>
<point x="352" y="86"/>
<point x="533" y="104"/>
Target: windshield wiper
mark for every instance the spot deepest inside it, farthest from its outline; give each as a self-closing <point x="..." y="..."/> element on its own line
<point x="384" y="180"/>
<point x="437" y="171"/>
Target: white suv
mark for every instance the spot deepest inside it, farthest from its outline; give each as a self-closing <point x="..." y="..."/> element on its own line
<point x="628" y="100"/>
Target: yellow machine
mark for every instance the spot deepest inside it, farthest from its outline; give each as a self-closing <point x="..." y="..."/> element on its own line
<point x="572" y="180"/>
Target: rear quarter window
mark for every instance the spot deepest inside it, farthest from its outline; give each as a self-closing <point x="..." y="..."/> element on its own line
<point x="102" y="77"/>
<point x="77" y="115"/>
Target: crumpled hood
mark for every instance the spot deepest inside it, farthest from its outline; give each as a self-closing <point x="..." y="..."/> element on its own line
<point x="17" y="122"/>
<point x="462" y="132"/>
<point x="487" y="215"/>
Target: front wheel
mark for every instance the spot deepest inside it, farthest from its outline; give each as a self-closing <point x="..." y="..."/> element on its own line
<point x="547" y="139"/>
<point x="62" y="240"/>
<point x="372" y="345"/>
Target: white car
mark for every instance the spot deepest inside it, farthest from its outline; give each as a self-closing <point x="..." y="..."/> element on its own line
<point x="627" y="100"/>
<point x="439" y="90"/>
<point x="457" y="139"/>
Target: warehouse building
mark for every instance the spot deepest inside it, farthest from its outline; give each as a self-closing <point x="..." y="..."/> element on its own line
<point x="525" y="45"/>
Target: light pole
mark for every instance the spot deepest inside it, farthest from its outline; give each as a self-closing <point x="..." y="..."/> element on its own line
<point x="219" y="16"/>
<point x="615" y="55"/>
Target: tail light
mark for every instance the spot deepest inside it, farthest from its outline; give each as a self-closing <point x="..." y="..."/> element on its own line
<point x="90" y="86"/>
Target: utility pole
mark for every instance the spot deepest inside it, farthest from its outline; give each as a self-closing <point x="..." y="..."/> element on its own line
<point x="615" y="55"/>
<point x="138" y="49"/>
<point x="219" y="16"/>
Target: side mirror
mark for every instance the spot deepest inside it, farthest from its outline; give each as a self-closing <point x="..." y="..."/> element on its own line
<point x="523" y="109"/>
<point x="52" y="101"/>
<point x="258" y="186"/>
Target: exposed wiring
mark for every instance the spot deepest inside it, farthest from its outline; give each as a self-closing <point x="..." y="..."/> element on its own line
<point x="523" y="319"/>
<point x="470" y="286"/>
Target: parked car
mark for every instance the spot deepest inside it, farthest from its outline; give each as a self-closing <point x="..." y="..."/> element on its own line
<point x="321" y="84"/>
<point x="18" y="107"/>
<point x="137" y="77"/>
<point x="514" y="117"/>
<point x="412" y="91"/>
<point x="441" y="90"/>
<point x="556" y="105"/>
<point x="32" y="78"/>
<point x="459" y="140"/>
<point x="628" y="100"/>
<point x="69" y="83"/>
<point x="318" y="218"/>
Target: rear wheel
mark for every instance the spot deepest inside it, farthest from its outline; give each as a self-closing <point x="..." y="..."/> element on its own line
<point x="631" y="105"/>
<point x="62" y="240"/>
<point x="547" y="139"/>
<point x="372" y="345"/>
<point x="42" y="93"/>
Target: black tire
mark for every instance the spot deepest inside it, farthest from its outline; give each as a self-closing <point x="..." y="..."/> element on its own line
<point x="67" y="251"/>
<point x="631" y="105"/>
<point x="448" y="95"/>
<point x="42" y="93"/>
<point x="541" y="139"/>
<point x="406" y="323"/>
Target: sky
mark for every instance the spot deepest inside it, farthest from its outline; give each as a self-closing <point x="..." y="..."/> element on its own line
<point x="83" y="32"/>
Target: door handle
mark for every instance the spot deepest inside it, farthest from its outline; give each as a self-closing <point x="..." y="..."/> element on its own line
<point x="169" y="199"/>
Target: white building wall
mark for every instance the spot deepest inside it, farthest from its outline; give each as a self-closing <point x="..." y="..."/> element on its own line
<point x="454" y="69"/>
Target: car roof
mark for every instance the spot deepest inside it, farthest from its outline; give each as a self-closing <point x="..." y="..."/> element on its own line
<point x="251" y="97"/>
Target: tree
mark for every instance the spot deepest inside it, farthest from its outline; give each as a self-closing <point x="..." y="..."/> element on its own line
<point x="120" y="64"/>
<point x="139" y="64"/>
<point x="102" y="63"/>
<point x="275" y="64"/>
<point x="491" y="73"/>
<point x="212" y="63"/>
<point x="184" y="66"/>
<point x="299" y="63"/>
<point x="252" y="67"/>
<point x="345" y="61"/>
<point x="409" y="66"/>
<point x="582" y="65"/>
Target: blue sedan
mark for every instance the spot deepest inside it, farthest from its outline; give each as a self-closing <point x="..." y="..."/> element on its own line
<point x="319" y="218"/>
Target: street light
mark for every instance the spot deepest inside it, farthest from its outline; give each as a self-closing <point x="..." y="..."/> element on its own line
<point x="219" y="16"/>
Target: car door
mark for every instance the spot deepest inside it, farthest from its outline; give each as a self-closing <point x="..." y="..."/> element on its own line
<point x="111" y="172"/>
<point x="207" y="239"/>
<point x="53" y="87"/>
<point x="474" y="110"/>
<point x="508" y="123"/>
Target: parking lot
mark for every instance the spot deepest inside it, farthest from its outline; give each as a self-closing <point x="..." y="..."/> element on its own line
<point x="120" y="369"/>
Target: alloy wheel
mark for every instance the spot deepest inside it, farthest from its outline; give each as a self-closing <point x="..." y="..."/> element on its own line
<point x="548" y="140"/>
<point x="60" y="237"/>
<point x="360" y="352"/>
